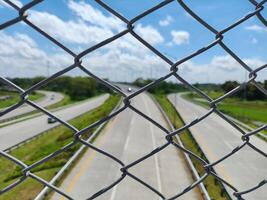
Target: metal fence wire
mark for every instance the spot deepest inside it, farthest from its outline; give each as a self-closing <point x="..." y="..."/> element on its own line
<point x="174" y="66"/>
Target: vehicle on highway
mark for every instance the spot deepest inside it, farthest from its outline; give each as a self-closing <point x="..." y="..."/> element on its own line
<point x="129" y="89"/>
<point x="51" y="120"/>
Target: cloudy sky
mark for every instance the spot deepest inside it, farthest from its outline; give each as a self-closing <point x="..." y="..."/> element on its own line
<point x="82" y="24"/>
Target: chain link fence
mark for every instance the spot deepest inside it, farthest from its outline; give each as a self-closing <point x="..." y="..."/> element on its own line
<point x="174" y="66"/>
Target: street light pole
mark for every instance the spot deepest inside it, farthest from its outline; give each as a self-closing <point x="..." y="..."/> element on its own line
<point x="47" y="68"/>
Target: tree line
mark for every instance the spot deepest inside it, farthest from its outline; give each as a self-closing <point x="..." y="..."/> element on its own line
<point x="163" y="87"/>
<point x="251" y="92"/>
<point x="78" y="88"/>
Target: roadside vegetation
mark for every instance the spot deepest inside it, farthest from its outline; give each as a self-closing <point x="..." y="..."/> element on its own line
<point x="9" y="98"/>
<point x="163" y="87"/>
<point x="243" y="110"/>
<point x="44" y="145"/>
<point x="74" y="89"/>
<point x="248" y="106"/>
<point x="214" y="188"/>
<point x="77" y="88"/>
<point x="64" y="102"/>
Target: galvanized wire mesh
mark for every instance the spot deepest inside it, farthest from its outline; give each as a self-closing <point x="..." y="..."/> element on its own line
<point x="174" y="66"/>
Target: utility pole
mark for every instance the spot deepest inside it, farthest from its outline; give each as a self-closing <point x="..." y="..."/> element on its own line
<point x="48" y="68"/>
<point x="151" y="72"/>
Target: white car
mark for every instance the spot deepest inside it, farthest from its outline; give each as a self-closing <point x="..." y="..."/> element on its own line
<point x="129" y="89"/>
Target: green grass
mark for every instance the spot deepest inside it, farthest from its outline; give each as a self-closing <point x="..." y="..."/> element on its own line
<point x="15" y="98"/>
<point x="246" y="111"/>
<point x="215" y="190"/>
<point x="65" y="101"/>
<point x="42" y="146"/>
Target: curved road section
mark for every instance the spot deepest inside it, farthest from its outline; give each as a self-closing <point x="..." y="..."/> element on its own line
<point x="216" y="137"/>
<point x="49" y="99"/>
<point x="18" y="132"/>
<point x="128" y="137"/>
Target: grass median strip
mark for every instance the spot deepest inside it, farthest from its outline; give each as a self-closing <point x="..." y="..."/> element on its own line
<point x="243" y="110"/>
<point x="44" y="145"/>
<point x="215" y="190"/>
<point x="252" y="113"/>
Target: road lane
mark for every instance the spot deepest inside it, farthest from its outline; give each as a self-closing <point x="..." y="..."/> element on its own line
<point x="15" y="133"/>
<point x="49" y="99"/>
<point x="216" y="137"/>
<point x="129" y="137"/>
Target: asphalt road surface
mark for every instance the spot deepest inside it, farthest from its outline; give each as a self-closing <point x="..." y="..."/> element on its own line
<point x="216" y="137"/>
<point x="49" y="99"/>
<point x="129" y="136"/>
<point x="18" y="132"/>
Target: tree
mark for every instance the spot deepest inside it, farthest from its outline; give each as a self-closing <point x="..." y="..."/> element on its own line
<point x="253" y="93"/>
<point x="229" y="85"/>
<point x="80" y="88"/>
<point x="163" y="87"/>
<point x="250" y="92"/>
<point x="60" y="84"/>
<point x="77" y="88"/>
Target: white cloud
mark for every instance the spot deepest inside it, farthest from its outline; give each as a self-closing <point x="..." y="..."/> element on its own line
<point x="121" y="66"/>
<point x="16" y="2"/>
<point x="69" y="31"/>
<point x="180" y="37"/>
<point x="21" y="56"/>
<point x="254" y="63"/>
<point x="254" y="41"/>
<point x="220" y="69"/>
<point x="149" y="33"/>
<point x="89" y="27"/>
<point x="90" y="14"/>
<point x="226" y="63"/>
<point x="166" y="21"/>
<point x="20" y="45"/>
<point x="256" y="28"/>
<point x="122" y="60"/>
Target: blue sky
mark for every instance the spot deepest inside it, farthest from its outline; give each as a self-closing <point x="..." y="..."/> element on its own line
<point x="81" y="24"/>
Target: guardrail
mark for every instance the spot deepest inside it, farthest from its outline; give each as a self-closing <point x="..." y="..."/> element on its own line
<point x="246" y="126"/>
